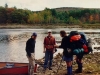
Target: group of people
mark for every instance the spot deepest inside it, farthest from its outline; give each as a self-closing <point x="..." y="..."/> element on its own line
<point x="49" y="50"/>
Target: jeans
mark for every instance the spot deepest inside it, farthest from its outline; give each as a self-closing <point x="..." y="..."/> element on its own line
<point x="48" y="57"/>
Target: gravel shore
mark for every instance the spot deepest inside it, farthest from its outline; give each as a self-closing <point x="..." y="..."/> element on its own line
<point x="91" y="65"/>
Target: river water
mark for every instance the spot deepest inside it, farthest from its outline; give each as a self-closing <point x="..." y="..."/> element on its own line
<point x="13" y="42"/>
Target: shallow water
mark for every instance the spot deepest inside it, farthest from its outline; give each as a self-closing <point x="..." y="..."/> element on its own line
<point x="13" y="42"/>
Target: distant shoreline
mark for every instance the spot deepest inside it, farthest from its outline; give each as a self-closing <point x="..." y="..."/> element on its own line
<point x="39" y="26"/>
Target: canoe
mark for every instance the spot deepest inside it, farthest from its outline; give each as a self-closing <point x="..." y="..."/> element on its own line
<point x="13" y="68"/>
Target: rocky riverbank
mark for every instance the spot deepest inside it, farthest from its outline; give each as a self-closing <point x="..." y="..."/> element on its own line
<point x="91" y="65"/>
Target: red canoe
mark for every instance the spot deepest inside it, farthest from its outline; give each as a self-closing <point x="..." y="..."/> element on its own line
<point x="10" y="68"/>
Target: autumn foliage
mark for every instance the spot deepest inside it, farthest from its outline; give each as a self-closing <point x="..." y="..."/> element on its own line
<point x="48" y="16"/>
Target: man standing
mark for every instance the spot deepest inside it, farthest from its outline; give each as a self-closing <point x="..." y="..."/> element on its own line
<point x="30" y="50"/>
<point x="49" y="42"/>
<point x="67" y="52"/>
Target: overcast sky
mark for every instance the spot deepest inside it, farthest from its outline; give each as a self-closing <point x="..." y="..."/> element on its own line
<point x="35" y="5"/>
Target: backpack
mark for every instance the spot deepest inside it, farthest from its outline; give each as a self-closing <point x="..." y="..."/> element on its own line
<point x="89" y="45"/>
<point x="78" y="43"/>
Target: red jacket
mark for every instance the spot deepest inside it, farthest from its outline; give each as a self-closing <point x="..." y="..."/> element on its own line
<point x="49" y="42"/>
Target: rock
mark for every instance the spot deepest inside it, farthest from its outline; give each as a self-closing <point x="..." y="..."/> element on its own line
<point x="90" y="63"/>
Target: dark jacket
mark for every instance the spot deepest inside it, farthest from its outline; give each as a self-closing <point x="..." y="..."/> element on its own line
<point x="30" y="46"/>
<point x="65" y="45"/>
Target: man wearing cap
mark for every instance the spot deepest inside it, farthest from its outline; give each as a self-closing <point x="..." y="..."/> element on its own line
<point x="49" y="42"/>
<point x="30" y="50"/>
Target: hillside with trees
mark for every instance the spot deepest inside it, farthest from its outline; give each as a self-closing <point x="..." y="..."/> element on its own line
<point x="66" y="15"/>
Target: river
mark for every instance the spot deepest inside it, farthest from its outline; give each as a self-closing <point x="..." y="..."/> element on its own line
<point x="13" y="42"/>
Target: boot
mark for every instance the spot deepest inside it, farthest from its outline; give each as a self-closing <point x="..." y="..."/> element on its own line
<point x="69" y="70"/>
<point x="79" y="70"/>
<point x="50" y="68"/>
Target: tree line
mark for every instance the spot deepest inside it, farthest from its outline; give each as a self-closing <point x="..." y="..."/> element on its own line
<point x="48" y="16"/>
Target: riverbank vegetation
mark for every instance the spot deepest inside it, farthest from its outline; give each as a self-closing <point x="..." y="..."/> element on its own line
<point x="68" y="16"/>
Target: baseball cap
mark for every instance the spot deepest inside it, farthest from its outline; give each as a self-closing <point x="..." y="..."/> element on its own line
<point x="34" y="34"/>
<point x="49" y="31"/>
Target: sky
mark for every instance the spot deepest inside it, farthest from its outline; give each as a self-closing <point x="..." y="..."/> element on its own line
<point x="37" y="5"/>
